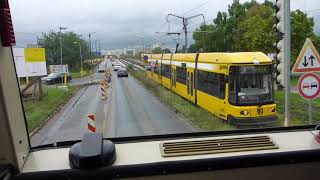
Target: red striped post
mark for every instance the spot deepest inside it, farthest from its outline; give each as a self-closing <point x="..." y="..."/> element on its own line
<point x="91" y="123"/>
<point x="91" y="76"/>
<point x="106" y="77"/>
<point x="103" y="90"/>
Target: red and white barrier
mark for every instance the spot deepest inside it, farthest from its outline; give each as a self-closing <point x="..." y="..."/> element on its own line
<point x="103" y="90"/>
<point x="91" y="123"/>
<point x="106" y="78"/>
<point x="91" y="76"/>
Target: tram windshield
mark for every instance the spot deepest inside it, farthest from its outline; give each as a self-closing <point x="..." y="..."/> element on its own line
<point x="251" y="85"/>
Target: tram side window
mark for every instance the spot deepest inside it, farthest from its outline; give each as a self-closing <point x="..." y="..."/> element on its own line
<point x="211" y="83"/>
<point x="166" y="71"/>
<point x="181" y="75"/>
<point x="222" y="82"/>
<point x="156" y="69"/>
<point x="232" y="90"/>
<point x="232" y="85"/>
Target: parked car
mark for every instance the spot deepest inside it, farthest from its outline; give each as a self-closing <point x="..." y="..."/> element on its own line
<point x="116" y="67"/>
<point x="55" y="78"/>
<point x="114" y="63"/>
<point x="148" y="67"/>
<point x="102" y="68"/>
<point x="122" y="72"/>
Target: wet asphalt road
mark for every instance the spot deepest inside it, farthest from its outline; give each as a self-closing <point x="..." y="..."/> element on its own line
<point x="70" y="123"/>
<point x="134" y="111"/>
<point x="130" y="110"/>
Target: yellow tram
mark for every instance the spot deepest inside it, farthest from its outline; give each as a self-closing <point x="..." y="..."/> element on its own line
<point x="236" y="87"/>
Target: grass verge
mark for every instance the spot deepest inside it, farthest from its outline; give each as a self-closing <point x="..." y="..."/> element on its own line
<point x="199" y="117"/>
<point x="76" y="75"/>
<point x="38" y="111"/>
<point x="298" y="109"/>
<point x="294" y="81"/>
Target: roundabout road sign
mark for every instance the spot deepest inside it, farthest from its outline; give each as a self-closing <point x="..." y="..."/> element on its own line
<point x="309" y="86"/>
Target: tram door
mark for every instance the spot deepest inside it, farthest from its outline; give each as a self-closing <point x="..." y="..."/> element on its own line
<point x="190" y="84"/>
<point x="173" y="78"/>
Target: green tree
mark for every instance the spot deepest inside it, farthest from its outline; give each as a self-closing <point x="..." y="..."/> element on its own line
<point x="255" y="32"/>
<point x="158" y="50"/>
<point x="71" y="56"/>
<point x="249" y="27"/>
<point x="192" y="49"/>
<point x="301" y="28"/>
<point x="166" y="50"/>
<point x="223" y="34"/>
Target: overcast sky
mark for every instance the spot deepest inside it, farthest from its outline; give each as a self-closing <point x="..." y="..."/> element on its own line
<point x="118" y="23"/>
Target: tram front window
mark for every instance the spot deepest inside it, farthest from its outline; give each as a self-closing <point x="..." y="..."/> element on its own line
<point x="251" y="85"/>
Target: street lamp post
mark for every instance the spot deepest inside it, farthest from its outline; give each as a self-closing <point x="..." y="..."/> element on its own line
<point x="91" y="71"/>
<point x="61" y="28"/>
<point x="90" y="49"/>
<point x="81" y="65"/>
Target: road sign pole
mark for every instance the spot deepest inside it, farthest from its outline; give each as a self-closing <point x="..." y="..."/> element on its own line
<point x="309" y="89"/>
<point x="310" y="112"/>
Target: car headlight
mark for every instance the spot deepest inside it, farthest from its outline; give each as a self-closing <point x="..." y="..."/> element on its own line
<point x="273" y="110"/>
<point x="244" y="112"/>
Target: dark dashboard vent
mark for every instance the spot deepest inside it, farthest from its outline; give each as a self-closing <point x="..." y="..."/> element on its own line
<point x="185" y="148"/>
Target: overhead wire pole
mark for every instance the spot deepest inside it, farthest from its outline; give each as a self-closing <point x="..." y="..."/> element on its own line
<point x="185" y="26"/>
<point x="95" y="43"/>
<point x="287" y="59"/>
<point x="99" y="48"/>
<point x="143" y="45"/>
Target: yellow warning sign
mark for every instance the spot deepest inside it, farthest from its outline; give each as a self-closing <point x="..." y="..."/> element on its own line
<point x="35" y="55"/>
<point x="308" y="59"/>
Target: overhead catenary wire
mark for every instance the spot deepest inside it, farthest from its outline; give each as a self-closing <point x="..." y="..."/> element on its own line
<point x="312" y="10"/>
<point x="197" y="7"/>
<point x="185" y="25"/>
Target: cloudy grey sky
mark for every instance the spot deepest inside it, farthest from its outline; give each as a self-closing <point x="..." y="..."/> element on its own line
<point x="118" y="23"/>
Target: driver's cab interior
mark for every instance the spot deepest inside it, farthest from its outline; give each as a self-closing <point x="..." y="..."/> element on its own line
<point x="286" y="153"/>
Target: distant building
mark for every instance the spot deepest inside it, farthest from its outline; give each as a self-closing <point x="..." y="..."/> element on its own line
<point x="124" y="51"/>
<point x="161" y="45"/>
<point x="32" y="45"/>
<point x="96" y="53"/>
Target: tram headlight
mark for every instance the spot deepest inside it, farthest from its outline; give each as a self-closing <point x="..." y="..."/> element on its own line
<point x="244" y="112"/>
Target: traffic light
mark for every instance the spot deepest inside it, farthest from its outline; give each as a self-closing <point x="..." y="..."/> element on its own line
<point x="279" y="44"/>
